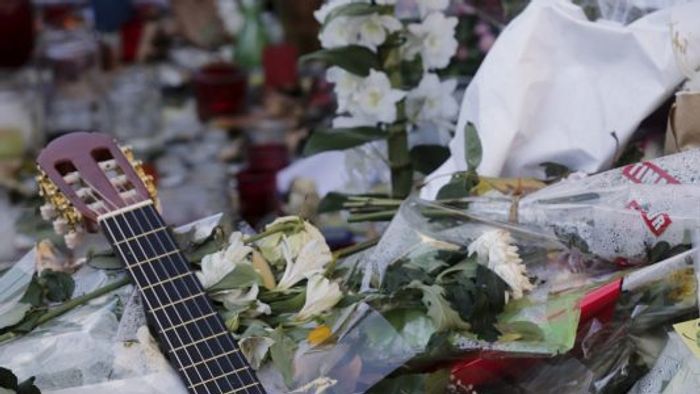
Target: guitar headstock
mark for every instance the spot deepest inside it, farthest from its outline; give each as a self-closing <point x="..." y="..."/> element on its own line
<point x="85" y="175"/>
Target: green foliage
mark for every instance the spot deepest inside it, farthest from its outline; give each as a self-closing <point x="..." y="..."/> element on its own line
<point x="439" y="310"/>
<point x="282" y="354"/>
<point x="243" y="275"/>
<point x="472" y="147"/>
<point x="343" y="138"/>
<point x="354" y="59"/>
<point x="9" y="381"/>
<point x="459" y="186"/>
<point x="478" y="295"/>
<point x="555" y="171"/>
<point x="58" y="286"/>
<point x="427" y="158"/>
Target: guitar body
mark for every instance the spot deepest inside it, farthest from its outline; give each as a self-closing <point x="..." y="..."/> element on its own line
<point x="91" y="184"/>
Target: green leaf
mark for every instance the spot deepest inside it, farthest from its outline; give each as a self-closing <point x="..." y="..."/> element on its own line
<point x="439" y="310"/>
<point x="104" y="260"/>
<point x="472" y="146"/>
<point x="8" y="379"/>
<point x="28" y="387"/>
<point x="282" y="353"/>
<point x="355" y="9"/>
<point x="354" y="59"/>
<point x="459" y="186"/>
<point x="339" y="139"/>
<point x="14" y="315"/>
<point x="332" y="202"/>
<point x="58" y="286"/>
<point x="528" y="331"/>
<point x="289" y="305"/>
<point x="34" y="294"/>
<point x="555" y="170"/>
<point x="427" y="158"/>
<point x="243" y="275"/>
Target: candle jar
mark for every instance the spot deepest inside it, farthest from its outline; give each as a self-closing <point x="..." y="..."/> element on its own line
<point x="220" y="89"/>
<point x="16" y="33"/>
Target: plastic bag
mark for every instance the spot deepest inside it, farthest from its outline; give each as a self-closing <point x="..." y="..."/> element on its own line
<point x="554" y="88"/>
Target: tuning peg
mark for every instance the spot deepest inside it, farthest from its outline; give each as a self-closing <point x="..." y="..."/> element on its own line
<point x="48" y="212"/>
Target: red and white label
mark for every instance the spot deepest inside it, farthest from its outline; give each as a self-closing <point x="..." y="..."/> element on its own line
<point x="648" y="173"/>
<point x="656" y="222"/>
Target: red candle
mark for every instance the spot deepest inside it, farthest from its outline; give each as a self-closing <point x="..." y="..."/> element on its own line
<point x="280" y="63"/>
<point x="220" y="89"/>
<point x="257" y="193"/>
<point x="16" y="33"/>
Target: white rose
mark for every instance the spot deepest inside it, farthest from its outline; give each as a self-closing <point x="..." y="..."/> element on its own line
<point x="321" y="295"/>
<point x="375" y="99"/>
<point x="434" y="39"/>
<point x="433" y="101"/>
<point x="495" y="250"/>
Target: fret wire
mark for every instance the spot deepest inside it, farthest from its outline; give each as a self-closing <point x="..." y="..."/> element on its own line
<point x="218" y="377"/>
<point x="199" y="341"/>
<point x="177" y="334"/>
<point x="212" y="358"/>
<point x="147" y="233"/>
<point x="168" y="280"/>
<point x="177" y="302"/>
<point x="174" y="246"/>
<point x="245" y="388"/>
<point x="188" y="322"/>
<point x="158" y="322"/>
<point x="155" y="217"/>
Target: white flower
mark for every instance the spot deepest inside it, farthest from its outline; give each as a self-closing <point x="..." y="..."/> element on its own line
<point x="433" y="101"/>
<point x="350" y="122"/>
<point x="321" y="295"/>
<point x="322" y="13"/>
<point x="375" y="100"/>
<point x="339" y="32"/>
<point x="386" y="2"/>
<point x="425" y="7"/>
<point x="434" y="39"/>
<point x="271" y="246"/>
<point x="495" y="250"/>
<point x="217" y="265"/>
<point x="231" y="16"/>
<point x="346" y="85"/>
<point x="236" y="298"/>
<point x="373" y="29"/>
<point x="312" y="258"/>
<point x="255" y="349"/>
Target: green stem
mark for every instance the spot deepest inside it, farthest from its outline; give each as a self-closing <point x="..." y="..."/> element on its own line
<point x="69" y="305"/>
<point x="359" y="247"/>
<point x="381" y="216"/>
<point x="279" y="228"/>
<point x="399" y="159"/>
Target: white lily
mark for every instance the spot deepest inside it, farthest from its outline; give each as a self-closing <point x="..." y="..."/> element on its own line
<point x="321" y="295"/>
<point x="322" y="13"/>
<point x="350" y="121"/>
<point x="434" y="39"/>
<point x="255" y="349"/>
<point x="271" y="246"/>
<point x="312" y="258"/>
<point x="217" y="265"/>
<point x="376" y="99"/>
<point x="495" y="250"/>
<point x="433" y="101"/>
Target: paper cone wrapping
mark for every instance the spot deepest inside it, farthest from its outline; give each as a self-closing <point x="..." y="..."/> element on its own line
<point x="683" y="131"/>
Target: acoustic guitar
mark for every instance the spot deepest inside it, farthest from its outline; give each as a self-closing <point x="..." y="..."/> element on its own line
<point x="92" y="184"/>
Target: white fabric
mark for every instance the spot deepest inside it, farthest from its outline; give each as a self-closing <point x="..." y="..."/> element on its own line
<point x="555" y="85"/>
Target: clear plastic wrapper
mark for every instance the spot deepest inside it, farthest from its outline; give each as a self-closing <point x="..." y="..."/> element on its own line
<point x="618" y="215"/>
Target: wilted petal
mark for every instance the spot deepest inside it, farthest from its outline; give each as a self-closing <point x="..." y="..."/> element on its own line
<point x="321" y="295"/>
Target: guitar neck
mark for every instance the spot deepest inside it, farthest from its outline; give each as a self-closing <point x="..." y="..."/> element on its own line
<point x="195" y="338"/>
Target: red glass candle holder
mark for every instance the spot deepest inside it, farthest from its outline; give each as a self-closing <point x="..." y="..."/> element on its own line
<point x="257" y="192"/>
<point x="268" y="157"/>
<point x="220" y="89"/>
<point x="16" y="32"/>
<point x="280" y="63"/>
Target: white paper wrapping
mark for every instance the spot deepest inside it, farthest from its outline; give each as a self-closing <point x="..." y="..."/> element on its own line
<point x="556" y="85"/>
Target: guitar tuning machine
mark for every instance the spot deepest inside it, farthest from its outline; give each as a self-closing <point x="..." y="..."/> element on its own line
<point x="57" y="208"/>
<point x="147" y="180"/>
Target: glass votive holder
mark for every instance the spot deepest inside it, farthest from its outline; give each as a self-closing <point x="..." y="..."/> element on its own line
<point x="257" y="193"/>
<point x="220" y="89"/>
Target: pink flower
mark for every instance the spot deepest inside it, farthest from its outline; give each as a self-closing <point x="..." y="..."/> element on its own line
<point x="486" y="42"/>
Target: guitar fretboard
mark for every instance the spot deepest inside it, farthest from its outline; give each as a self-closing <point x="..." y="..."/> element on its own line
<point x="197" y="342"/>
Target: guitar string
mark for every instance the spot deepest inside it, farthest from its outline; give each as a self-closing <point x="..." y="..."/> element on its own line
<point x="238" y="355"/>
<point x="148" y="302"/>
<point x="129" y="201"/>
<point x="184" y="265"/>
<point x="178" y="295"/>
<point x="90" y="190"/>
